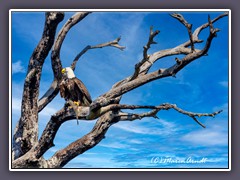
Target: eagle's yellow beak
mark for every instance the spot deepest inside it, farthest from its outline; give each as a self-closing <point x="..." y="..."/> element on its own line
<point x="63" y="70"/>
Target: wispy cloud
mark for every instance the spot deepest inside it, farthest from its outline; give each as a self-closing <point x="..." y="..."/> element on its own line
<point x="17" y="67"/>
<point x="35" y="23"/>
<point x="211" y="137"/>
<point x="160" y="127"/>
<point x="224" y="83"/>
<point x="115" y="145"/>
<point x="48" y="111"/>
<point x="135" y="141"/>
<point x="16" y="105"/>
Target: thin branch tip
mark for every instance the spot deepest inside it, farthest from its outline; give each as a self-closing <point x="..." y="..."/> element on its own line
<point x="117" y="39"/>
<point x="178" y="61"/>
<point x="176" y="15"/>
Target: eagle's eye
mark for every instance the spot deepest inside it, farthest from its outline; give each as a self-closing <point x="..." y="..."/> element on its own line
<point x="63" y="71"/>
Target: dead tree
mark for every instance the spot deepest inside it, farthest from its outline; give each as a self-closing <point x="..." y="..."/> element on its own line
<point x="27" y="150"/>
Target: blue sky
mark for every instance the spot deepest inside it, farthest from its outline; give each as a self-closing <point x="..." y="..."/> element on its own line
<point x="201" y="87"/>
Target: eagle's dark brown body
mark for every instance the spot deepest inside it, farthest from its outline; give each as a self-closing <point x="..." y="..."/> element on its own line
<point x="74" y="89"/>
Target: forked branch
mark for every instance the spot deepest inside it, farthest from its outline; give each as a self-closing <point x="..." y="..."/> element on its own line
<point x="145" y="54"/>
<point x="180" y="18"/>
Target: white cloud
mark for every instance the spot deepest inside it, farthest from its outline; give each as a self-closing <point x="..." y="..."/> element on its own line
<point x="211" y="137"/>
<point x="224" y="83"/>
<point x="17" y="89"/>
<point x="115" y="145"/>
<point x="48" y="111"/>
<point x="17" y="67"/>
<point x="135" y="141"/>
<point x="16" y="104"/>
<point x="159" y="127"/>
<point x="16" y="107"/>
<point x="35" y="21"/>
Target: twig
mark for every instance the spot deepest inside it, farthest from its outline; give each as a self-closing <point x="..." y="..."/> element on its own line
<point x="113" y="43"/>
<point x="166" y="106"/>
<point x="180" y="18"/>
<point x="145" y="50"/>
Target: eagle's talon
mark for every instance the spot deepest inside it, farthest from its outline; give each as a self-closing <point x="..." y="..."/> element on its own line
<point x="76" y="103"/>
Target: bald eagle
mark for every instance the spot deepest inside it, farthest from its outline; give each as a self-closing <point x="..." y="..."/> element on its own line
<point x="71" y="88"/>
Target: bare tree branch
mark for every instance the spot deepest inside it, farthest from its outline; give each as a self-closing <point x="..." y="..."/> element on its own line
<point x="150" y="41"/>
<point x="26" y="132"/>
<point x="165" y="106"/>
<point x="55" y="56"/>
<point x="55" y="59"/>
<point x="46" y="140"/>
<point x="200" y="28"/>
<point x="180" y="18"/>
<point x="106" y="107"/>
<point x="48" y="96"/>
<point x="143" y="67"/>
<point x="180" y="49"/>
<point x="113" y="43"/>
<point x="53" y="90"/>
<point x="145" y="50"/>
<point x="161" y="73"/>
<point x="63" y="156"/>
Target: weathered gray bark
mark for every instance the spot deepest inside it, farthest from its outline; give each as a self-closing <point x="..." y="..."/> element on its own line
<point x="26" y="133"/>
<point x="28" y="150"/>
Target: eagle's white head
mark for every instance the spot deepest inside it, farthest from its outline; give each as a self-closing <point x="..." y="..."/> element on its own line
<point x="68" y="72"/>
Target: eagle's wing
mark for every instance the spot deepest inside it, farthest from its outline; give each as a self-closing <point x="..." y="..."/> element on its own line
<point x="82" y="88"/>
<point x="62" y="88"/>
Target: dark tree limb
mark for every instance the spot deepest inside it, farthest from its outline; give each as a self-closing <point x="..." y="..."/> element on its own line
<point x="48" y="96"/>
<point x="63" y="156"/>
<point x="26" y="132"/>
